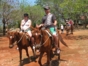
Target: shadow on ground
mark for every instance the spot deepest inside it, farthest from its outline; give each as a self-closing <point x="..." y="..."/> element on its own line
<point x="26" y="60"/>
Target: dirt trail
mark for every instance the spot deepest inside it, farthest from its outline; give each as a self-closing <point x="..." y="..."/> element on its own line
<point x="75" y="55"/>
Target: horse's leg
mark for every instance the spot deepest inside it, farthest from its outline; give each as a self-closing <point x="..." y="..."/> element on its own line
<point x="59" y="49"/>
<point x="71" y="29"/>
<point x="41" y="54"/>
<point x="33" y="46"/>
<point x="27" y="54"/>
<point x="20" y="52"/>
<point x="33" y="50"/>
<point x="67" y="32"/>
<point x="49" y="58"/>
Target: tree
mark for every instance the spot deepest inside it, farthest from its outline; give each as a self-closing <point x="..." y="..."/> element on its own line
<point x="64" y="9"/>
<point x="35" y="12"/>
<point x="7" y="9"/>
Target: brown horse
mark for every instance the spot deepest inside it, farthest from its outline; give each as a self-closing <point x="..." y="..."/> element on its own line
<point x="45" y="47"/>
<point x="22" y="43"/>
<point x="68" y="29"/>
<point x="42" y="37"/>
<point x="37" y="38"/>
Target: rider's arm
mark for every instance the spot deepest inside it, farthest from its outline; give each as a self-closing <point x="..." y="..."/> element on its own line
<point x="42" y="24"/>
<point x="54" y="20"/>
<point x="30" y="22"/>
<point x="21" y="25"/>
<point x="38" y="26"/>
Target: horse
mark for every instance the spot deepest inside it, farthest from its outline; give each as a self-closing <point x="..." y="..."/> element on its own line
<point x="36" y="33"/>
<point x="69" y="28"/>
<point x="45" y="41"/>
<point x="22" y="43"/>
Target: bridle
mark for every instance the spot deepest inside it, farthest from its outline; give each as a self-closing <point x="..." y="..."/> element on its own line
<point x="16" y="42"/>
<point x="41" y="40"/>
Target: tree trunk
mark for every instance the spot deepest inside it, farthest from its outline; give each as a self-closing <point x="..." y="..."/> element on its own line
<point x="3" y="26"/>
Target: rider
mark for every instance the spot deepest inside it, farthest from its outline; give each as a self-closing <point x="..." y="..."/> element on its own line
<point x="71" y="24"/>
<point x="49" y="21"/>
<point x="25" y="27"/>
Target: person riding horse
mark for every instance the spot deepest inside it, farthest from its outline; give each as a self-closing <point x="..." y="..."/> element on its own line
<point x="69" y="26"/>
<point x="25" y="27"/>
<point x="49" y="22"/>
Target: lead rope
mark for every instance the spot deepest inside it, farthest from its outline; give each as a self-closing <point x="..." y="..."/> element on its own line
<point x="15" y="43"/>
<point x="21" y="38"/>
<point x="47" y="38"/>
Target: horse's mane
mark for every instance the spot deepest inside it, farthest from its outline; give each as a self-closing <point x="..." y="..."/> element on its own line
<point x="44" y="33"/>
<point x="14" y="30"/>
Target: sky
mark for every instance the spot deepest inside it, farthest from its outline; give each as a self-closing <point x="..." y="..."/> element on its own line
<point x="31" y="2"/>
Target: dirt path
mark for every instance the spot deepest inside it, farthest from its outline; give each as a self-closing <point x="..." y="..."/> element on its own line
<point x="75" y="55"/>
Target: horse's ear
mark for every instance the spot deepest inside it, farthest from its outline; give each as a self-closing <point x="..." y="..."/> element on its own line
<point x="16" y="33"/>
<point x="7" y="34"/>
<point x="32" y="28"/>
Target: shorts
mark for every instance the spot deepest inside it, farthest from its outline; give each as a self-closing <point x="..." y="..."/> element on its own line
<point x="29" y="32"/>
<point x="53" y="31"/>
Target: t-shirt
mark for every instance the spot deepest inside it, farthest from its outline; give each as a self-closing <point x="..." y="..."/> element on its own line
<point x="25" y="25"/>
<point x="48" y="19"/>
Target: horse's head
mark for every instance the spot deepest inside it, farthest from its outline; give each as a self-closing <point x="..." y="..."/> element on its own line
<point x="12" y="38"/>
<point x="37" y="36"/>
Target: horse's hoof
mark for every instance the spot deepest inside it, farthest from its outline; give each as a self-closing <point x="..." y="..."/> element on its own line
<point x="66" y="34"/>
<point x="29" y="60"/>
<point x="20" y="64"/>
<point x="71" y="33"/>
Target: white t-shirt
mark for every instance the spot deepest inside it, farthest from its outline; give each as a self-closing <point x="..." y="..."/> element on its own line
<point x="25" y="25"/>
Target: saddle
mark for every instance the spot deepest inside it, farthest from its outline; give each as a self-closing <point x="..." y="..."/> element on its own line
<point x="51" y="37"/>
<point x="25" y="34"/>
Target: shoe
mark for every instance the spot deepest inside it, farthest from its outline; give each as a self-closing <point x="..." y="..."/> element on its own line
<point x="17" y="48"/>
<point x="33" y="47"/>
<point x="58" y="51"/>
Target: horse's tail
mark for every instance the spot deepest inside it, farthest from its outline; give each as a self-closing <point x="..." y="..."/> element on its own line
<point x="62" y="41"/>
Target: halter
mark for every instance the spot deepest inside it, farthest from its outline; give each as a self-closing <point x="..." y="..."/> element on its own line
<point x="39" y="44"/>
<point x="15" y="43"/>
<point x="46" y="39"/>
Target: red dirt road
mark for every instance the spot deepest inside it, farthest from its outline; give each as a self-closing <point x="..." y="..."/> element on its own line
<point x="75" y="55"/>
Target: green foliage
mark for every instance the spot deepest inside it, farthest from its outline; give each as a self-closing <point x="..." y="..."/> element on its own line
<point x="35" y="12"/>
<point x="63" y="9"/>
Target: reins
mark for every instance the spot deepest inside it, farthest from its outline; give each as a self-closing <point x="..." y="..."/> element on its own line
<point x="15" y="43"/>
<point x="47" y="38"/>
<point x="21" y="38"/>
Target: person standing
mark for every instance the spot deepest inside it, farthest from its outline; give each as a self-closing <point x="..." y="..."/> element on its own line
<point x="62" y="28"/>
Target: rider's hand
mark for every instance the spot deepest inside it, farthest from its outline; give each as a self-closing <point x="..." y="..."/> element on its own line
<point x="41" y="25"/>
<point x="55" y="23"/>
<point x="38" y="26"/>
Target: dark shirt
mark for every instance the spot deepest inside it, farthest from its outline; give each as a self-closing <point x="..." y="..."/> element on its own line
<point x="48" y="20"/>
